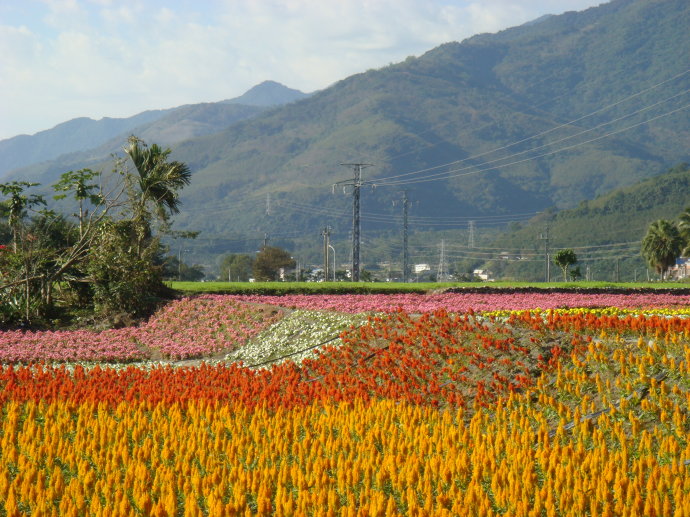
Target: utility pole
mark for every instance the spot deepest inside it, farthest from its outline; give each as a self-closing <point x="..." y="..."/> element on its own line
<point x="356" y="183"/>
<point x="265" y="239"/>
<point x="471" y="225"/>
<point x="179" y="262"/>
<point x="405" y="250"/>
<point x="333" y="250"/>
<point x="326" y="233"/>
<point x="618" y="270"/>
<point x="547" y="269"/>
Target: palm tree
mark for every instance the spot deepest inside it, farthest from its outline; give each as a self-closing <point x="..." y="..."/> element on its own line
<point x="159" y="180"/>
<point x="662" y="245"/>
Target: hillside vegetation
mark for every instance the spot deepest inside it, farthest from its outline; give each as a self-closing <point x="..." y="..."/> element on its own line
<point x="615" y="222"/>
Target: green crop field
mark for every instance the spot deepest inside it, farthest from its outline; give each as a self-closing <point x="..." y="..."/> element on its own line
<point x="396" y="287"/>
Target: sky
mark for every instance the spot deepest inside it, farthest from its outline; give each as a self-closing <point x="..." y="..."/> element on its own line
<point x="62" y="59"/>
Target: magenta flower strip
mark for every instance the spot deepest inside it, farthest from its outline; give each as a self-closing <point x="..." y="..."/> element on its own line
<point x="460" y="302"/>
<point x="185" y="329"/>
<point x="213" y="325"/>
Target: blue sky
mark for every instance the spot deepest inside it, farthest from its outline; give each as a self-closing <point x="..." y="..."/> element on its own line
<point x="62" y="59"/>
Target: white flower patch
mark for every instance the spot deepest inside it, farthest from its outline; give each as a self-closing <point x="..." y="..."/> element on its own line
<point x="293" y="336"/>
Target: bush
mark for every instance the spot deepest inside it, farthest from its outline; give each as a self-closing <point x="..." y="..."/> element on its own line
<point x="124" y="281"/>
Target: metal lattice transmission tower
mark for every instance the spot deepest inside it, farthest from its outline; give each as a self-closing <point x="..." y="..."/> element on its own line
<point x="356" y="184"/>
<point x="442" y="271"/>
<point x="471" y="226"/>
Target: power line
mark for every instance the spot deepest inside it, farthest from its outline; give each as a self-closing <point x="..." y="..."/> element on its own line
<point x="452" y="173"/>
<point x="570" y="123"/>
<point x="247" y="197"/>
<point x="414" y="220"/>
<point x="532" y="106"/>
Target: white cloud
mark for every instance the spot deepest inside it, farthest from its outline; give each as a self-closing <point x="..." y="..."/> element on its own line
<point x="66" y="58"/>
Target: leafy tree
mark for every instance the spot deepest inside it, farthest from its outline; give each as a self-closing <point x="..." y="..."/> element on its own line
<point x="662" y="245"/>
<point x="77" y="183"/>
<point x="26" y="282"/>
<point x="174" y="269"/>
<point x="123" y="279"/>
<point x="5" y="230"/>
<point x="269" y="261"/>
<point x="236" y="267"/>
<point x="463" y="270"/>
<point x="17" y="205"/>
<point x="564" y="259"/>
<point x="111" y="259"/>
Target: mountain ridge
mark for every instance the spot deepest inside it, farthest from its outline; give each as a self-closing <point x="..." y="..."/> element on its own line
<point x="83" y="134"/>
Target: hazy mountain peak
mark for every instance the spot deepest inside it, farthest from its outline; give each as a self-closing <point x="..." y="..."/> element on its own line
<point x="538" y="20"/>
<point x="268" y="93"/>
<point x="165" y="126"/>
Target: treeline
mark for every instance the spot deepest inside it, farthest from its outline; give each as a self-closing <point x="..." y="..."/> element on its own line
<point x="622" y="216"/>
<point x="106" y="259"/>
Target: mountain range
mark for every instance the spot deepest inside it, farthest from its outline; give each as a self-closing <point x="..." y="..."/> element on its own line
<point x="166" y="127"/>
<point x="541" y="116"/>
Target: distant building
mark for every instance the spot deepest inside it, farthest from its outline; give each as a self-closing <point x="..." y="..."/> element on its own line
<point x="482" y="274"/>
<point x="420" y="268"/>
<point x="680" y="270"/>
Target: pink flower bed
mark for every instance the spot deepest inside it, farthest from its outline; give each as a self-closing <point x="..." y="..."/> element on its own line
<point x="200" y="327"/>
<point x="462" y="302"/>
<point x="192" y="327"/>
<point x="80" y="345"/>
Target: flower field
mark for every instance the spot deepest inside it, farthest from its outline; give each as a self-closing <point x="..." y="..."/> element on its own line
<point x="575" y="408"/>
<point x="191" y="328"/>
<point x="460" y="302"/>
